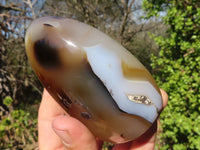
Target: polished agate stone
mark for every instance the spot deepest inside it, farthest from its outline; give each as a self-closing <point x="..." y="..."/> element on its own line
<point x="93" y="78"/>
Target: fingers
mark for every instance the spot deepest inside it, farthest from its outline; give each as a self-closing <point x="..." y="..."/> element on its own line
<point x="74" y="134"/>
<point x="48" y="110"/>
<point x="59" y="132"/>
<point x="164" y="97"/>
<point x="49" y="107"/>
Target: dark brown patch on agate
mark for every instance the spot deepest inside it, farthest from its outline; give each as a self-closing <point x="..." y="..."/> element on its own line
<point x="64" y="98"/>
<point x="122" y="135"/>
<point x="85" y="115"/>
<point x="46" y="54"/>
<point x="48" y="25"/>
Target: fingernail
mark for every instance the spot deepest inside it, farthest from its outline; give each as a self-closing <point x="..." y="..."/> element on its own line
<point x="64" y="135"/>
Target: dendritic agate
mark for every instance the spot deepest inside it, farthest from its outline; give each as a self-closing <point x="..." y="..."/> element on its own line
<point x="93" y="78"/>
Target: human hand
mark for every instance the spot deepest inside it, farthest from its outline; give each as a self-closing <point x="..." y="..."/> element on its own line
<point x="59" y="131"/>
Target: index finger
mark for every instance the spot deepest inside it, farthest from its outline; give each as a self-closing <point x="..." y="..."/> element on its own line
<point x="49" y="109"/>
<point x="164" y="97"/>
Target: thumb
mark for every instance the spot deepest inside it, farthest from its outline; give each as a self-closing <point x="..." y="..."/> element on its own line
<point x="74" y="134"/>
